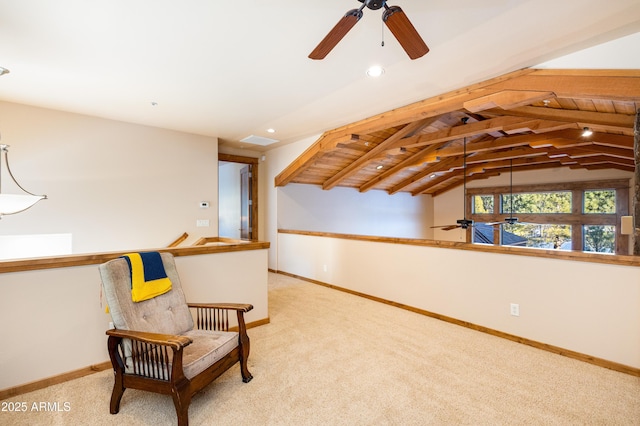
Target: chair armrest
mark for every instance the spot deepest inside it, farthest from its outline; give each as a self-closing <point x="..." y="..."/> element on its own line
<point x="215" y="316"/>
<point x="150" y="355"/>
<point x="244" y="307"/>
<point x="176" y="342"/>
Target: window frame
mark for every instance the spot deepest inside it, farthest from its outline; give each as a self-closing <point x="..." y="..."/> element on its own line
<point x="577" y="218"/>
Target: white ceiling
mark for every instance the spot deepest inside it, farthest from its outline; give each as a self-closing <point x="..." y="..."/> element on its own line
<point x="231" y="69"/>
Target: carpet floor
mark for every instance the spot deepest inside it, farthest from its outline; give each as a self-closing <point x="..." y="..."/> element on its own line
<point x="328" y="357"/>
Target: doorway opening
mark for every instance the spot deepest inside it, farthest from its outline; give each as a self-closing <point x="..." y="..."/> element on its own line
<point x="237" y="197"/>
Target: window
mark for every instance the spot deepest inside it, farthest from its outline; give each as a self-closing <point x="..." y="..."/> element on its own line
<point x="581" y="216"/>
<point x="537" y="202"/>
<point x="599" y="238"/>
<point x="483" y="204"/>
<point x="599" y="202"/>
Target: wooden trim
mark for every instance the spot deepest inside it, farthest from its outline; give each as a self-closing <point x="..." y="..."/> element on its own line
<point x="226" y="246"/>
<point x="591" y="257"/>
<point x="237" y="158"/>
<point x="254" y="163"/>
<point x="76" y="374"/>
<point x="178" y="240"/>
<point x="538" y="345"/>
<point x="61" y="378"/>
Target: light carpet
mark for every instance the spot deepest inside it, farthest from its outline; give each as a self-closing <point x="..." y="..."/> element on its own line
<point x="328" y="357"/>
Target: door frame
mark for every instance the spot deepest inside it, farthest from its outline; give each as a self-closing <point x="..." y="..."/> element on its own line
<point x="253" y="162"/>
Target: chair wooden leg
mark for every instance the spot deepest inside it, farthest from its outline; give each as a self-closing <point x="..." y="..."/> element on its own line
<point x="244" y="357"/>
<point x="182" y="399"/>
<point x="118" y="372"/>
<point x="116" y="395"/>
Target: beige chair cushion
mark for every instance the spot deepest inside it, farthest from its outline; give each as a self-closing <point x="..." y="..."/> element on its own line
<point x="165" y="314"/>
<point x="207" y="348"/>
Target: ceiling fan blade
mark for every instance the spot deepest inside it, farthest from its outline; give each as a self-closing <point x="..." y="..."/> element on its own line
<point x="336" y="34"/>
<point x="446" y="227"/>
<point x="404" y="32"/>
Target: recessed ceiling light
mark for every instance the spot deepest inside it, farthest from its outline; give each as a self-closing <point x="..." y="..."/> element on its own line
<point x="379" y="166"/>
<point x="586" y="132"/>
<point x="271" y="130"/>
<point x="375" y="71"/>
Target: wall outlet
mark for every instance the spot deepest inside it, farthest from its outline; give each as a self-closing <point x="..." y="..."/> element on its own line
<point x="515" y="310"/>
<point x="202" y="222"/>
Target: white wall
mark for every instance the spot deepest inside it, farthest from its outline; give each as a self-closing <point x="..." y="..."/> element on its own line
<point x="342" y="210"/>
<point x="112" y="185"/>
<point x="276" y="160"/>
<point x="590" y="308"/>
<point x="54" y="319"/>
<point x="348" y="211"/>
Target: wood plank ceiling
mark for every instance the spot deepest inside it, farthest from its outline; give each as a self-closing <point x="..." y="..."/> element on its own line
<point x="531" y="119"/>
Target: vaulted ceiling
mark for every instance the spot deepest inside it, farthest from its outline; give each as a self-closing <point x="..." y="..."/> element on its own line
<point x="527" y="120"/>
<point x="230" y="69"/>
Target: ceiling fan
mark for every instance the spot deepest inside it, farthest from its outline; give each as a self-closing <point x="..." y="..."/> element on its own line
<point x="393" y="17"/>
<point x="463" y="223"/>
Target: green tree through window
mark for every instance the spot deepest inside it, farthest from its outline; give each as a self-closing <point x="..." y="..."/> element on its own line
<point x="547" y="218"/>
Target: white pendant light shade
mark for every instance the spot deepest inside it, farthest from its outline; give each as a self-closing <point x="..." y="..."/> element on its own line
<point x="15" y="203"/>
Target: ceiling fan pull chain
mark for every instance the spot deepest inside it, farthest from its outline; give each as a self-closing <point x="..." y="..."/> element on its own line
<point x="382" y="30"/>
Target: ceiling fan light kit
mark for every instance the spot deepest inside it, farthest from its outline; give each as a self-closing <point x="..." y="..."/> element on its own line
<point x="393" y="16"/>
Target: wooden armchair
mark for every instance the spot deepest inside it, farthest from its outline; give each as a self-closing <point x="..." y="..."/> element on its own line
<point x="157" y="346"/>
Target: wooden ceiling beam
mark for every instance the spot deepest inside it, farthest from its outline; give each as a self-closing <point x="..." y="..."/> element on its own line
<point x="579" y="84"/>
<point x="492" y="173"/>
<point x="309" y="157"/>
<point x="608" y="166"/>
<point x="409" y="162"/>
<point x="591" y="151"/>
<point x="426" y="108"/>
<point x="506" y="155"/>
<point x="496" y="144"/>
<point x="506" y="99"/>
<point x="437" y="167"/>
<point x="605" y="159"/>
<point x="355" y="166"/>
<point x="461" y="131"/>
<point x="603" y="121"/>
<point x="539" y="126"/>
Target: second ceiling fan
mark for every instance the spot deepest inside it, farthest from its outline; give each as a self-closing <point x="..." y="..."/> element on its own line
<point x="393" y="16"/>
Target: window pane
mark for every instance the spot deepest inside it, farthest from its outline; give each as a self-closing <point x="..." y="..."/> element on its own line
<point x="483" y="204"/>
<point x="600" y="202"/>
<point x="546" y="236"/>
<point x="482" y="233"/>
<point x="599" y="238"/>
<point x="540" y="202"/>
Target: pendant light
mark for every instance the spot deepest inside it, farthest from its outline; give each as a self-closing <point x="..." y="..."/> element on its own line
<point x="14" y="203"/>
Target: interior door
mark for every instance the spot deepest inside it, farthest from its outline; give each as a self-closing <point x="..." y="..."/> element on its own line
<point x="246" y="219"/>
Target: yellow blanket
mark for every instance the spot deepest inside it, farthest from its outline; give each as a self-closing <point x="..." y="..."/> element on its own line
<point x="148" y="277"/>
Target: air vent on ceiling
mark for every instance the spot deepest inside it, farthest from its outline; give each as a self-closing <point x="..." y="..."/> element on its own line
<point x="259" y="140"/>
